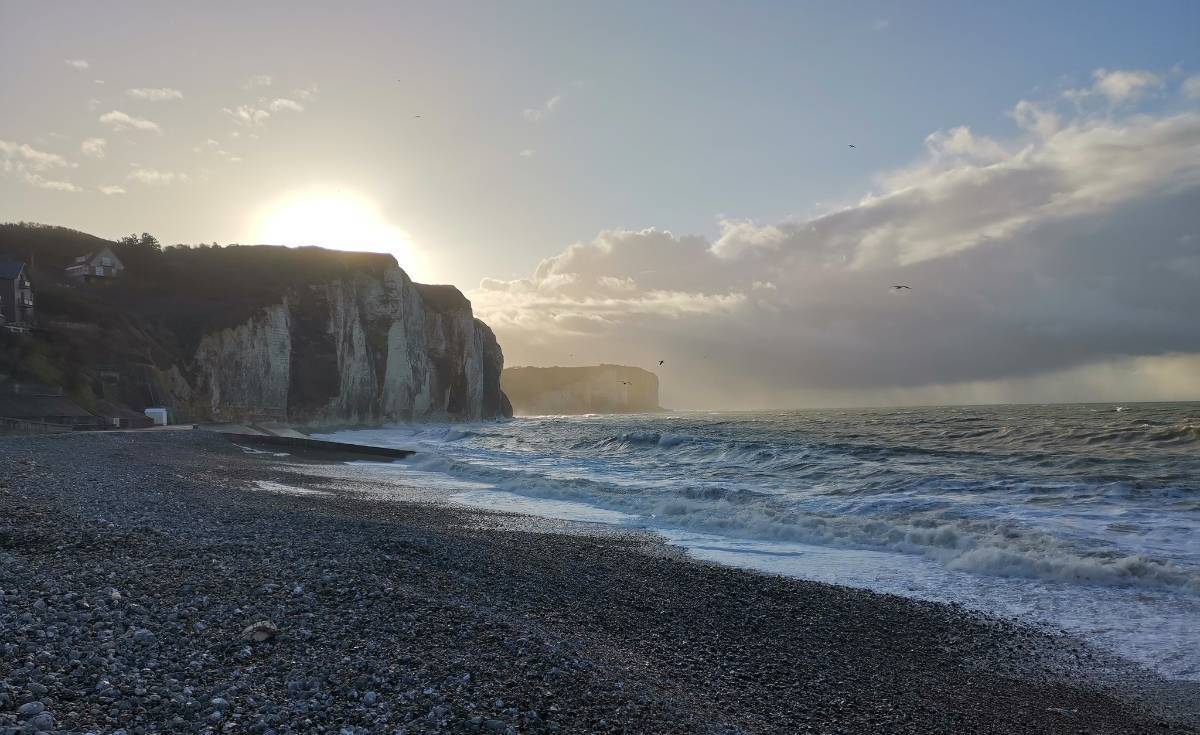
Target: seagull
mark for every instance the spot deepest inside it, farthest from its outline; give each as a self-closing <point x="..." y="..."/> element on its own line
<point x="901" y="288"/>
<point x="851" y="145"/>
<point x="660" y="362"/>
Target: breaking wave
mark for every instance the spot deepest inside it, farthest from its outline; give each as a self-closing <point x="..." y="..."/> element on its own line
<point x="1058" y="511"/>
<point x="988" y="546"/>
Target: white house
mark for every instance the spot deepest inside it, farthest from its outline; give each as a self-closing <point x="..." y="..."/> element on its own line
<point x="102" y="263"/>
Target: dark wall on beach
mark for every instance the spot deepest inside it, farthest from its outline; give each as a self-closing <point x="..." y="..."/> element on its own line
<point x="252" y="333"/>
<point x="573" y="390"/>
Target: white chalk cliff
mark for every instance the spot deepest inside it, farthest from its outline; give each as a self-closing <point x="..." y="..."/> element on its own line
<point x="368" y="346"/>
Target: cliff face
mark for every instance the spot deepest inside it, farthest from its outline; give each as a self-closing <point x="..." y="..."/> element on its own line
<point x="573" y="390"/>
<point x="251" y="333"/>
<point x="369" y="347"/>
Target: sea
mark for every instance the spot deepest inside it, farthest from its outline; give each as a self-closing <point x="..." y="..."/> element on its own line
<point x="1076" y="518"/>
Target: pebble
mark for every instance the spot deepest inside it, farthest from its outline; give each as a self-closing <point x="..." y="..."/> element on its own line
<point x="143" y="636"/>
<point x="43" y="721"/>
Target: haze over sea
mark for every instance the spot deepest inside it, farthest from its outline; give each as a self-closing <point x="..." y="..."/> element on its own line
<point x="1079" y="517"/>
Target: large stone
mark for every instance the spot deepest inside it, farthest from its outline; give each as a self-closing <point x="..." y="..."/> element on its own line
<point x="263" y="630"/>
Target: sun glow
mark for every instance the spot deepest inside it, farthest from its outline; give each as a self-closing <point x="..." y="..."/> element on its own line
<point x="338" y="221"/>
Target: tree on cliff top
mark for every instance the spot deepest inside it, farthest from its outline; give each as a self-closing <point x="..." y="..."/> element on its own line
<point x="145" y="242"/>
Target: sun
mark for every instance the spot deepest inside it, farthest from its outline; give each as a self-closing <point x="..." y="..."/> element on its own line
<point x="336" y="220"/>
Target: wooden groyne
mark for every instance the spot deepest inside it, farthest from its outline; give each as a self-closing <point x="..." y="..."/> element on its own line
<point x="26" y="426"/>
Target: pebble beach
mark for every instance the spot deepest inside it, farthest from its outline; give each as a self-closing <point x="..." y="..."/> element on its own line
<point x="152" y="583"/>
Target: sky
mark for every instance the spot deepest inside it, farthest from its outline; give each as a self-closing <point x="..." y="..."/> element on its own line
<point x="634" y="182"/>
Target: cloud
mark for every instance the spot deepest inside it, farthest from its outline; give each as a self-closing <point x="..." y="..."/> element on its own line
<point x="282" y="103"/>
<point x="538" y="114"/>
<point x="527" y="153"/>
<point x="119" y="121"/>
<point x="247" y="115"/>
<point x="1067" y="249"/>
<point x="79" y="64"/>
<point x="51" y="184"/>
<point x="259" y="80"/>
<point x="1035" y="118"/>
<point x="93" y="147"/>
<point x="28" y="164"/>
<point x="256" y="115"/>
<point x="155" y="94"/>
<point x="1191" y="87"/>
<point x="1118" y="86"/>
<point x="154" y="177"/>
<point x="27" y="157"/>
<point x="111" y="189"/>
<point x="214" y="147"/>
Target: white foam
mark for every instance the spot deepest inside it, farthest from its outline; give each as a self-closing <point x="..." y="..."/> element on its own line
<point x="279" y="487"/>
<point x="498" y="500"/>
<point x="1154" y="628"/>
<point x="994" y="546"/>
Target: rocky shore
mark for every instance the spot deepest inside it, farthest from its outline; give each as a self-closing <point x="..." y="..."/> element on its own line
<point x="150" y="583"/>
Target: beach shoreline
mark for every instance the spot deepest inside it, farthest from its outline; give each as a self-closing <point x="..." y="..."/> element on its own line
<point x="131" y="563"/>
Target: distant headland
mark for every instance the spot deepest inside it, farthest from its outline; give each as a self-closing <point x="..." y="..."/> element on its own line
<point x="573" y="390"/>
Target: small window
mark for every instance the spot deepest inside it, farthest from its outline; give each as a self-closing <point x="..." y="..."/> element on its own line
<point x="106" y="260"/>
<point x="99" y="270"/>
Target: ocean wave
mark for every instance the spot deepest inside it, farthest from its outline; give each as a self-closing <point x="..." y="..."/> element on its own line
<point x="1052" y="513"/>
<point x="1027" y="492"/>
<point x="996" y="549"/>
<point x="1181" y="434"/>
<point x="985" y="546"/>
<point x="640" y="439"/>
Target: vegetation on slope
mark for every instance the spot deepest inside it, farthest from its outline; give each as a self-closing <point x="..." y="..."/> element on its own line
<point x="114" y="339"/>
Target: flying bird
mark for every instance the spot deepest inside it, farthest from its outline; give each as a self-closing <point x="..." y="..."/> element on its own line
<point x="851" y="145"/>
<point x="661" y="362"/>
<point x="623" y="382"/>
<point x="901" y="288"/>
